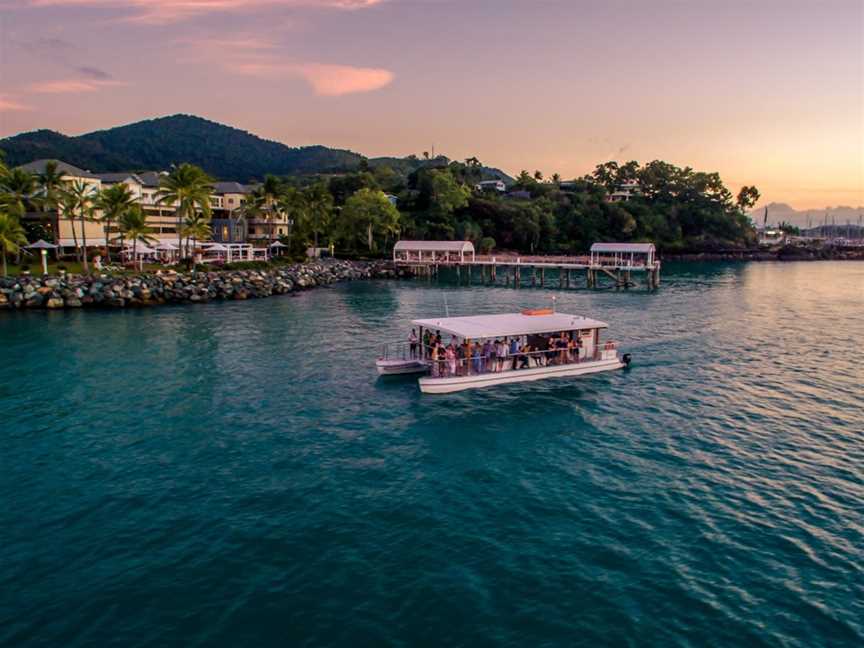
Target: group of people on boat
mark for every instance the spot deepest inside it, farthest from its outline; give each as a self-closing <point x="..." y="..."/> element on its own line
<point x="465" y="357"/>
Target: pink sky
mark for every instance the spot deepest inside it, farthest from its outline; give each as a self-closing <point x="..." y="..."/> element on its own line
<point x="768" y="93"/>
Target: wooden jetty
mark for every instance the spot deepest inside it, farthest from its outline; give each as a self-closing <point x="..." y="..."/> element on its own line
<point x="618" y="262"/>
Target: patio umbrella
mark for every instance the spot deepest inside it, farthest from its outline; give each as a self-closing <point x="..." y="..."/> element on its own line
<point x="44" y="246"/>
<point x="278" y="244"/>
<point x="41" y="245"/>
<point x="216" y="247"/>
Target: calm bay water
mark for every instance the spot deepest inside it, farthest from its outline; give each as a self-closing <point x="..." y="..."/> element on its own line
<point x="234" y="474"/>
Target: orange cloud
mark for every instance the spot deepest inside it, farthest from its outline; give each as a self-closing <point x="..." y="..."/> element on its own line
<point x="326" y="80"/>
<point x="10" y="105"/>
<point x="254" y="56"/>
<point x="335" y="80"/>
<point x="162" y="11"/>
<point x="71" y="86"/>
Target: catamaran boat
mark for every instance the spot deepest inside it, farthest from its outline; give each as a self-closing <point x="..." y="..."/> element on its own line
<point x="486" y="350"/>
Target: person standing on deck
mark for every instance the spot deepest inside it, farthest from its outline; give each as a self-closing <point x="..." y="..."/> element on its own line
<point x="514" y="350"/>
<point x="412" y="343"/>
<point x="435" y="366"/>
<point x="550" y="352"/>
<point x="426" y="337"/>
<point x="487" y="356"/>
<point x="475" y="354"/>
<point x="503" y="353"/>
<point x="450" y="355"/>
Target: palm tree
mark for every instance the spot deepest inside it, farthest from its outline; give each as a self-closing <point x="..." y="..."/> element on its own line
<point x="18" y="187"/>
<point x="77" y="199"/>
<point x="12" y="237"/>
<point x="319" y="201"/>
<point x="293" y="204"/>
<point x="50" y="184"/>
<point x="67" y="205"/>
<point x="252" y="209"/>
<point x="114" y="202"/>
<point x="271" y="191"/>
<point x="188" y="188"/>
<point x="133" y="223"/>
<point x="197" y="228"/>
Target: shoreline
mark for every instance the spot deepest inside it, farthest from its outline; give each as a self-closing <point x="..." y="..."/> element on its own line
<point x="788" y="253"/>
<point x="54" y="292"/>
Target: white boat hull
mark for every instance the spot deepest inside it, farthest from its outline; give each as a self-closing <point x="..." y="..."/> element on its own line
<point x="431" y="385"/>
<point x="400" y="367"/>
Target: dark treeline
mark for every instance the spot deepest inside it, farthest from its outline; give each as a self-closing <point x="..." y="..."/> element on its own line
<point x="364" y="210"/>
<point x="678" y="209"/>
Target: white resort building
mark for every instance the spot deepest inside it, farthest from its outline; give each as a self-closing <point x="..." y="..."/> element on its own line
<point x="626" y="190"/>
<point x="225" y="202"/>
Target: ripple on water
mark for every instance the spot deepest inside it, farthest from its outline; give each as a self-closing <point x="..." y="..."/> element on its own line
<point x="233" y="474"/>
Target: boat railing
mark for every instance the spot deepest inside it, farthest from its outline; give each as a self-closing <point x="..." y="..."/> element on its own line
<point x="488" y="363"/>
<point x="405" y="351"/>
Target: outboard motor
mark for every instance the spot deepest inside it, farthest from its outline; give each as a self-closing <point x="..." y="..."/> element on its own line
<point x="626" y="360"/>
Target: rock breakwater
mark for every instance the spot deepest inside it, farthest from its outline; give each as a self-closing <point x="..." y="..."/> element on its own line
<point x="150" y="289"/>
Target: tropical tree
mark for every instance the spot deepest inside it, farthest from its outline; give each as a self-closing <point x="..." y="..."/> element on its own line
<point x="12" y="237"/>
<point x="50" y="185"/>
<point x="17" y="187"/>
<point x="188" y="189"/>
<point x="747" y="197"/>
<point x="366" y="214"/>
<point x="77" y="200"/>
<point x="319" y="204"/>
<point x="196" y="228"/>
<point x="252" y="209"/>
<point x="133" y="224"/>
<point x="271" y="193"/>
<point x="113" y="201"/>
<point x="292" y="204"/>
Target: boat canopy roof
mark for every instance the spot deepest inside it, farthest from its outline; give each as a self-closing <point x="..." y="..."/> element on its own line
<point x="508" y="324"/>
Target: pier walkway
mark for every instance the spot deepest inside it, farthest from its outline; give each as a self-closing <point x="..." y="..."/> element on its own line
<point x="618" y="262"/>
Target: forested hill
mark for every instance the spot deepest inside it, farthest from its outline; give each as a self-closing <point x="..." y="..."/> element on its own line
<point x="224" y="152"/>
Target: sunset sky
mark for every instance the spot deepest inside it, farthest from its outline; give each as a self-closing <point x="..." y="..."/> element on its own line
<point x="766" y="92"/>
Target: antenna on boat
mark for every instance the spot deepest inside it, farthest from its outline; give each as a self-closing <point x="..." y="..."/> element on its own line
<point x="446" y="307"/>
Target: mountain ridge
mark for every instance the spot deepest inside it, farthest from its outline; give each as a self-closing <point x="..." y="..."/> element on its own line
<point x="783" y="212"/>
<point x="225" y="152"/>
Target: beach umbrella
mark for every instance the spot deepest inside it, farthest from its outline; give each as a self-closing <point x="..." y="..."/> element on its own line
<point x="43" y="247"/>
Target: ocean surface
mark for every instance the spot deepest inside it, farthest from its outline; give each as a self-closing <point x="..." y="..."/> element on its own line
<point x="234" y="474"/>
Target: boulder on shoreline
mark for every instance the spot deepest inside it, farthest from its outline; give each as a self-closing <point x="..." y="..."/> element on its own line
<point x="168" y="287"/>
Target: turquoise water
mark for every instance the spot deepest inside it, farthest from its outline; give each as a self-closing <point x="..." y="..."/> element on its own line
<point x="233" y="474"/>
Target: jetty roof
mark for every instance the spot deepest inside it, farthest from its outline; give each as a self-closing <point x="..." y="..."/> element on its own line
<point x="643" y="248"/>
<point x="437" y="246"/>
<point x="508" y="324"/>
